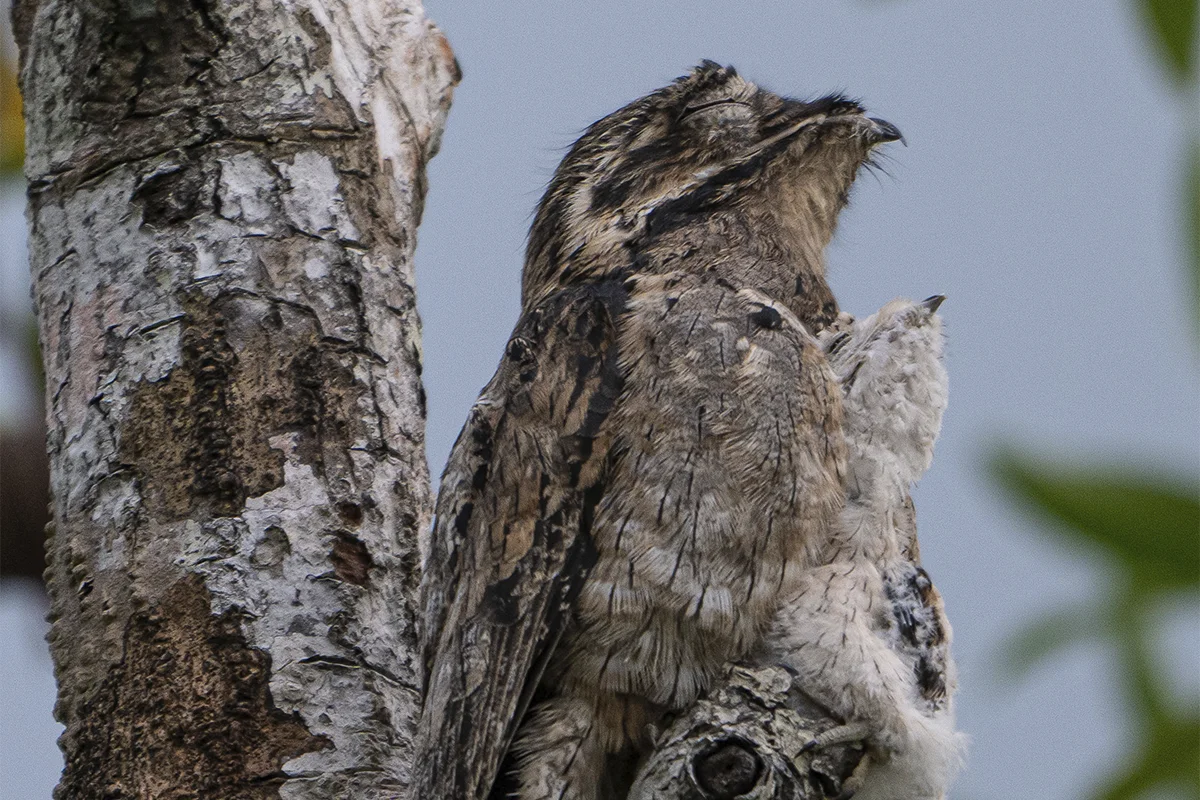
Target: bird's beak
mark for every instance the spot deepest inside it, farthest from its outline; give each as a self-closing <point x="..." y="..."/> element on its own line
<point x="932" y="303"/>
<point x="883" y="131"/>
<point x="875" y="131"/>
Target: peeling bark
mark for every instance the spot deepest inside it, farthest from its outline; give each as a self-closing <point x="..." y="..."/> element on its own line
<point x="223" y="200"/>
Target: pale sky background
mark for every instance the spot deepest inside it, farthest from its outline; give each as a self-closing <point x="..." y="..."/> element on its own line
<point x="1039" y="192"/>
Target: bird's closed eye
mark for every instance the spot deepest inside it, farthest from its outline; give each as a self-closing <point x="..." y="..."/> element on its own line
<point x="696" y="109"/>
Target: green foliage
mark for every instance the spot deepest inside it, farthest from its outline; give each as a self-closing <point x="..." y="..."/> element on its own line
<point x="1051" y="634"/>
<point x="1173" y="24"/>
<point x="1150" y="524"/>
<point x="1167" y="760"/>
<point x="1149" y="527"/>
<point x="1169" y="755"/>
<point x="1173" y="27"/>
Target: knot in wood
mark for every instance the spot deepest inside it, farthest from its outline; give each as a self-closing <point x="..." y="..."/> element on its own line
<point x="729" y="769"/>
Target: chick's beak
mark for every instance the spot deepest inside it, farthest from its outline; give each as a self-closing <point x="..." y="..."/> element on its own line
<point x="932" y="303"/>
<point x="884" y="131"/>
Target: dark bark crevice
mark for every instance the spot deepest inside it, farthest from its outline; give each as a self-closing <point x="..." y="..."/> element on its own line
<point x="185" y="713"/>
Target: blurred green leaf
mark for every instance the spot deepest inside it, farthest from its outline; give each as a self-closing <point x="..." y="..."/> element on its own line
<point x="1035" y="643"/>
<point x="1169" y="760"/>
<point x="1132" y="622"/>
<point x="1151" y="524"/>
<point x="1173" y="24"/>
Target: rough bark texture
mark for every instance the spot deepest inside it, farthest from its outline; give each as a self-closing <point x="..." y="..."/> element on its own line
<point x="223" y="199"/>
<point x="748" y="740"/>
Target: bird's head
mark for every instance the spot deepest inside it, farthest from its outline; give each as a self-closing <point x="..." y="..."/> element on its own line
<point x="707" y="141"/>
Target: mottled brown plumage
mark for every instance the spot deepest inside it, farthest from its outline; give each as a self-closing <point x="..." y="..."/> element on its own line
<point x="659" y="456"/>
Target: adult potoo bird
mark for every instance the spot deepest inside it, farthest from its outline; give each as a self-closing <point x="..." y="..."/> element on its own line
<point x="660" y="453"/>
<point x="865" y="632"/>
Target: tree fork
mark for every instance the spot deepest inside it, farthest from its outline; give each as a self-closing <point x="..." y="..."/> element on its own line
<point x="223" y="200"/>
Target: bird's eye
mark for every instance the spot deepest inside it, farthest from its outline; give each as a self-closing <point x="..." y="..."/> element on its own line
<point x="713" y="104"/>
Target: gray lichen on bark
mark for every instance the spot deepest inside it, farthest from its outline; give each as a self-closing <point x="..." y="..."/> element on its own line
<point x="223" y="200"/>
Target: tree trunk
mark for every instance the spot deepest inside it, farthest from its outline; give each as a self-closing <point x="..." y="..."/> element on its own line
<point x="223" y="199"/>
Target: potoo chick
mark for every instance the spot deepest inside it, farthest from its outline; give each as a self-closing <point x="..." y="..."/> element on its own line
<point x="865" y="633"/>
<point x="659" y="457"/>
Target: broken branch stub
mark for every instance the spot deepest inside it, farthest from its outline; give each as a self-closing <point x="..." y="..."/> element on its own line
<point x="748" y="740"/>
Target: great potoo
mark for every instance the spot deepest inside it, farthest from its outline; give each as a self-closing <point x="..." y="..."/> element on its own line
<point x="865" y="633"/>
<point x="659" y="457"/>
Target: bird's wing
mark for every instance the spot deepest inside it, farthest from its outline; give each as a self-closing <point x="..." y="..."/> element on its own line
<point x="510" y="544"/>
